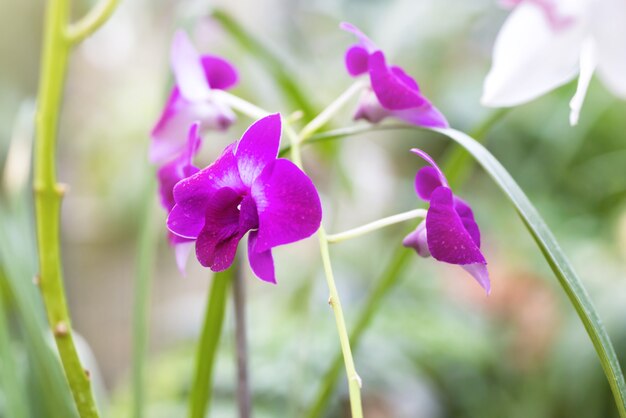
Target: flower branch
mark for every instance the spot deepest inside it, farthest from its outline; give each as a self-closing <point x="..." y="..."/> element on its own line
<point x="376" y="225"/>
<point x="88" y="24"/>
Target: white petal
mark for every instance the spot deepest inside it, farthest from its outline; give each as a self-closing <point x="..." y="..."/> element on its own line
<point x="587" y="66"/>
<point x="530" y="57"/>
<point x="609" y="30"/>
<point x="187" y="68"/>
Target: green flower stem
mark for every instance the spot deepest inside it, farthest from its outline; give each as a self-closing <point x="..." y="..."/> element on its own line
<point x="332" y="109"/>
<point x="96" y="17"/>
<point x="240" y="105"/>
<point x="48" y="195"/>
<point x="206" y="353"/>
<point x="146" y="250"/>
<point x="239" y="302"/>
<point x="354" y="381"/>
<point x="376" y="225"/>
<point x="388" y="280"/>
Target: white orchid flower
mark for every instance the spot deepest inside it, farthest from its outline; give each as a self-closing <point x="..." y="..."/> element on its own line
<point x="544" y="44"/>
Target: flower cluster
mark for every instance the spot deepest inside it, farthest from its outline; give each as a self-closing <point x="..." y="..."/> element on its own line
<point x="247" y="189"/>
<point x="392" y="92"/>
<point x="449" y="233"/>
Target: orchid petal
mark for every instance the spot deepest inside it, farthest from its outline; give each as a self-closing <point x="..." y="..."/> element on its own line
<point x="429" y="160"/>
<point x="587" y="66"/>
<point x="530" y="57"/>
<point x="369" y="108"/>
<point x="404" y="77"/>
<point x="609" y="31"/>
<point x="448" y="240"/>
<point x="356" y="60"/>
<point x="363" y="39"/>
<point x="217" y="242"/>
<point x="418" y="240"/>
<point x="258" y="147"/>
<point x="467" y="217"/>
<point x="287" y="203"/>
<point x="424" y="115"/>
<point x="480" y="273"/>
<point x="219" y="73"/>
<point x="262" y="263"/>
<point x="193" y="193"/>
<point x="427" y="180"/>
<point x="187" y="69"/>
<point x="392" y="91"/>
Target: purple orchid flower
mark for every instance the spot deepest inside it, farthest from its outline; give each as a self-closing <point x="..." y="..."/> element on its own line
<point x="246" y="189"/>
<point x="170" y="174"/>
<point x="191" y="98"/>
<point x="449" y="233"/>
<point x="392" y="92"/>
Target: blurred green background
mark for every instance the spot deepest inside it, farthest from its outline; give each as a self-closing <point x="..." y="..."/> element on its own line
<point x="438" y="347"/>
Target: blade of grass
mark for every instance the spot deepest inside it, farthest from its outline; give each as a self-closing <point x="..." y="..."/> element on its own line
<point x="146" y="251"/>
<point x="274" y="65"/>
<point x="206" y="353"/>
<point x="11" y="383"/>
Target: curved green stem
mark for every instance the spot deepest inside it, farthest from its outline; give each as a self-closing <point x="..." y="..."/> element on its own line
<point x="206" y="353"/>
<point x="376" y="225"/>
<point x="48" y="195"/>
<point x="354" y="381"/>
<point x="88" y="24"/>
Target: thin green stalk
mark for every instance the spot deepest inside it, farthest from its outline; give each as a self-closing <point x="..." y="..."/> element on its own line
<point x="244" y="401"/>
<point x="388" y="280"/>
<point x="206" y="353"/>
<point x="376" y="225"/>
<point x="146" y="250"/>
<point x="48" y="195"/>
<point x="354" y="381"/>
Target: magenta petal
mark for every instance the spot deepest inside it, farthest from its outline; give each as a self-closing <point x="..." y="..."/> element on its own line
<point x="356" y="60"/>
<point x="467" y="216"/>
<point x="392" y="92"/>
<point x="187" y="68"/>
<point x="182" y="251"/>
<point x="448" y="240"/>
<point x="262" y="263"/>
<point x="418" y="240"/>
<point x="425" y="115"/>
<point x="433" y="164"/>
<point x="427" y="179"/>
<point x="363" y="39"/>
<point x="287" y="203"/>
<point x="405" y="78"/>
<point x="258" y="147"/>
<point x="217" y="243"/>
<point x="220" y="73"/>
<point x="193" y="193"/>
<point x="369" y="108"/>
<point x="480" y="273"/>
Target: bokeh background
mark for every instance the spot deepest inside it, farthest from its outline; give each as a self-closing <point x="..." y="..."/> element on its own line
<point x="437" y="347"/>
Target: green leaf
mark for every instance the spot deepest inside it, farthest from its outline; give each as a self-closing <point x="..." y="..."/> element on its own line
<point x="207" y="347"/>
<point x="280" y="71"/>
